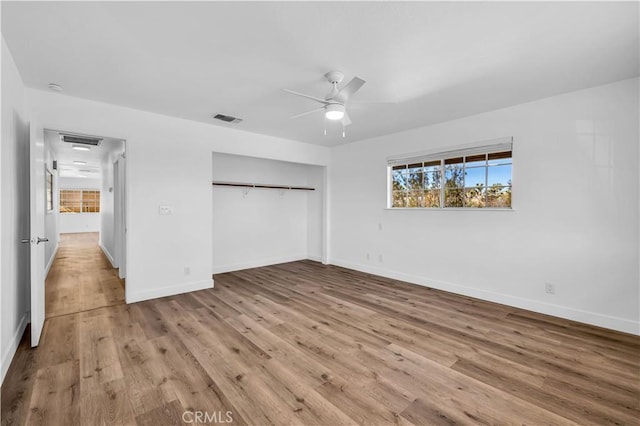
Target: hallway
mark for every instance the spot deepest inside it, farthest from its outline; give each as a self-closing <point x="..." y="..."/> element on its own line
<point x="81" y="277"/>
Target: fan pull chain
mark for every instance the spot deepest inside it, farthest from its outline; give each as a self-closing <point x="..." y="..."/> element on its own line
<point x="343" y="133"/>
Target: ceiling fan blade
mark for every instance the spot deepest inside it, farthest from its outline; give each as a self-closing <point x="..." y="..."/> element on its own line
<point x="313" y="98"/>
<point x="372" y="102"/>
<point x="346" y="120"/>
<point x="347" y="91"/>
<point x="308" y="112"/>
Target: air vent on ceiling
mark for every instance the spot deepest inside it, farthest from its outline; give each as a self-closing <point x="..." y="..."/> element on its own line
<point x="82" y="140"/>
<point x="227" y="118"/>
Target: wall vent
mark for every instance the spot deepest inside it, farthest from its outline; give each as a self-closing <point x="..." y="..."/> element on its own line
<point x="227" y="118"/>
<point x="82" y="140"/>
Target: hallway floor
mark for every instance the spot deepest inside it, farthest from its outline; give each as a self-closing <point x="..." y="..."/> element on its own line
<point x="81" y="277"/>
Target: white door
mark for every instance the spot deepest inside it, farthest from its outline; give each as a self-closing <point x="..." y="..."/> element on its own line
<point x="36" y="229"/>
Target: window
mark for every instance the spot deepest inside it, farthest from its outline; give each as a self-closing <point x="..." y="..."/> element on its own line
<point x="79" y="201"/>
<point x="49" y="190"/>
<point x="478" y="177"/>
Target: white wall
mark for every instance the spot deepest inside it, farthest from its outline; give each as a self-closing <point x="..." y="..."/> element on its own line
<point x="574" y="221"/>
<point x="14" y="221"/>
<point x="70" y="223"/>
<point x="168" y="163"/>
<point x="79" y="183"/>
<point x="263" y="226"/>
<point x="73" y="223"/>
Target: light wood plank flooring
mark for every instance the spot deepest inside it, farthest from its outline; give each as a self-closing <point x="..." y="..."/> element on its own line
<point x="303" y="343"/>
<point x="81" y="277"/>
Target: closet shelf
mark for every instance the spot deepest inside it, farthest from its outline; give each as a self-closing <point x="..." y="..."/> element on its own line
<point x="260" y="185"/>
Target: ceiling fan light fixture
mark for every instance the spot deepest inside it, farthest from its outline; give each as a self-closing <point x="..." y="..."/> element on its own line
<point x="334" y="112"/>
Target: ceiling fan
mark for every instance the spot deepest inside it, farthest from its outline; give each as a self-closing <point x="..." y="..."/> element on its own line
<point x="334" y="104"/>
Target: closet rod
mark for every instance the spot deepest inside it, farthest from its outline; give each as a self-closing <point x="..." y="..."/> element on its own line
<point x="259" y="185"/>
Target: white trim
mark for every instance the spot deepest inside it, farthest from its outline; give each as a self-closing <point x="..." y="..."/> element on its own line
<point x="70" y="214"/>
<point x="593" y="318"/>
<point x="455" y="209"/>
<point x="315" y="258"/>
<point x="457" y="150"/>
<point x="8" y="354"/>
<point x="51" y="259"/>
<point x="326" y="223"/>
<point x="221" y="269"/>
<point x="108" y="255"/>
<point x="169" y="290"/>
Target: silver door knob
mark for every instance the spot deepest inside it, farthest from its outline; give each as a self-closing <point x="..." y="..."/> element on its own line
<point x="25" y="240"/>
<point x="42" y="240"/>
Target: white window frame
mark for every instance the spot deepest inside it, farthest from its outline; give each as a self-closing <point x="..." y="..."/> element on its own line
<point x="49" y="191"/>
<point x="484" y="147"/>
<point x="82" y="202"/>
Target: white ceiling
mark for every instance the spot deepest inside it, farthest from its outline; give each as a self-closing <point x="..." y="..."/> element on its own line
<point x="435" y="60"/>
<point x="94" y="159"/>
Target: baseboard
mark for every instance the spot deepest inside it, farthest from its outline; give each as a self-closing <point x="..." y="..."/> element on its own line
<point x="315" y="258"/>
<point x="8" y="354"/>
<point x="108" y="255"/>
<point x="221" y="269"/>
<point x="170" y="290"/>
<point x="53" y="257"/>
<point x="593" y="318"/>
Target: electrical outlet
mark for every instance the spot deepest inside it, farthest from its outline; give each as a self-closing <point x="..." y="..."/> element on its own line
<point x="368" y="256"/>
<point x="380" y="226"/>
<point x="549" y="288"/>
<point x="187" y="270"/>
<point x="380" y="258"/>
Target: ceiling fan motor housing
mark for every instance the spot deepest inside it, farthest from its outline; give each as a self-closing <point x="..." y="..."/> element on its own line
<point x="334" y="77"/>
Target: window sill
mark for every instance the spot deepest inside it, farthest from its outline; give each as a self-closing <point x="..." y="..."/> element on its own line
<point x="446" y="209"/>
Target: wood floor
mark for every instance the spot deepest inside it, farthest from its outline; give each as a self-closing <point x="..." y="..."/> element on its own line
<point x="303" y="343"/>
<point x="81" y="278"/>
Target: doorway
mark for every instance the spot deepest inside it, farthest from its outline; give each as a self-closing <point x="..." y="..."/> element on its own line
<point x="84" y="222"/>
